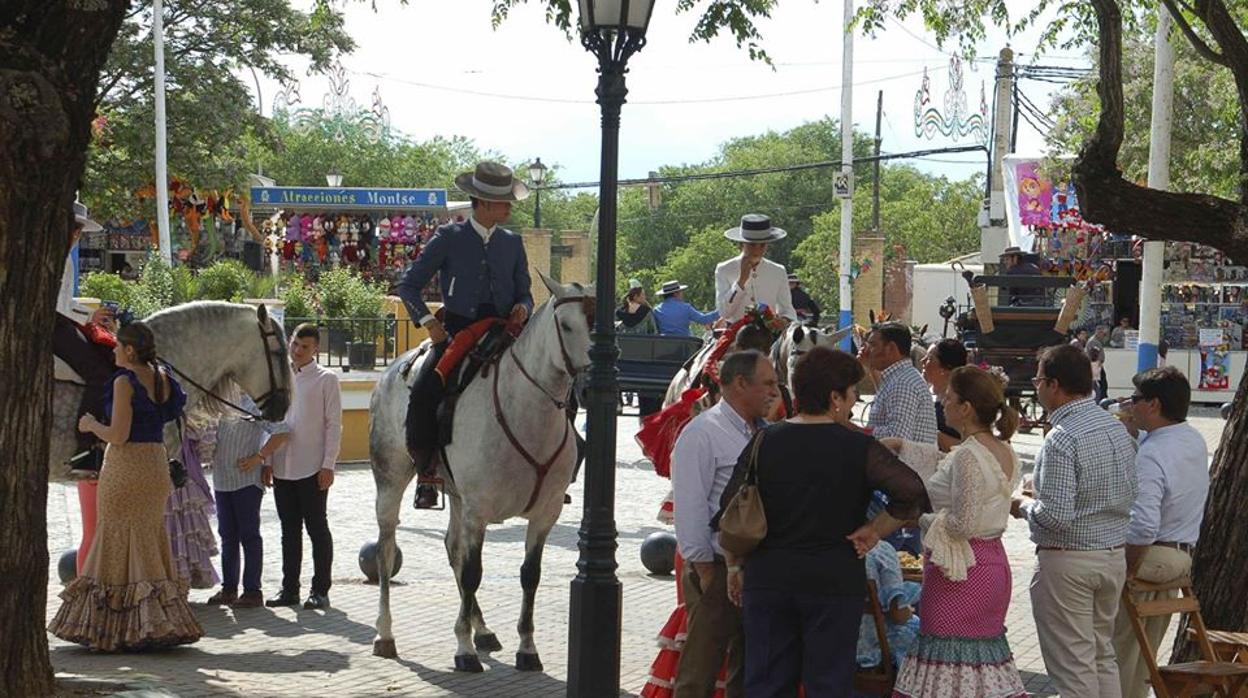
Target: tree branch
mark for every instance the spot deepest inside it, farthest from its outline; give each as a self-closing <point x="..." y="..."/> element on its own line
<point x="1193" y="38"/>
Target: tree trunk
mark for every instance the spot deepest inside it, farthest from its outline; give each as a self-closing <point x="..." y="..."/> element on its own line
<point x="1119" y="205"/>
<point x="50" y="59"/>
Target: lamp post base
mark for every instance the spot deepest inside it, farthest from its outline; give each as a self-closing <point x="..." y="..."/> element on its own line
<point x="594" y="667"/>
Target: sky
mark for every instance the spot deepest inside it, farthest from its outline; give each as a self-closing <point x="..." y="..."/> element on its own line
<point x="525" y="91"/>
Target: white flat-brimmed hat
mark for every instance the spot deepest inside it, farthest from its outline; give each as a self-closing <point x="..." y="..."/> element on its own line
<point x="82" y="218"/>
<point x="755" y="227"/>
<point x="670" y="287"/>
<point x="492" y="182"/>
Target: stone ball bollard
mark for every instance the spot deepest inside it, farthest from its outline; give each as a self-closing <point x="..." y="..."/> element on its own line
<point x="67" y="566"/>
<point x="658" y="552"/>
<point x="368" y="561"/>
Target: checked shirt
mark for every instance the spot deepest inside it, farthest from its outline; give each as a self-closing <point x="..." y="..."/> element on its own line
<point x="903" y="405"/>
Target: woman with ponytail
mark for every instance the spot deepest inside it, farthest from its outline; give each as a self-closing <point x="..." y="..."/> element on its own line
<point x="128" y="596"/>
<point x="962" y="648"/>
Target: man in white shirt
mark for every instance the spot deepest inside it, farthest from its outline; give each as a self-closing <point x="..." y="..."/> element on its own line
<point x="703" y="460"/>
<point x="303" y="472"/>
<point x="1172" y="468"/>
<point x="748" y="280"/>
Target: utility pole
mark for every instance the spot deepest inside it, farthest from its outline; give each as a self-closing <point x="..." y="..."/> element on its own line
<point x="1158" y="178"/>
<point x="847" y="171"/>
<point x="875" y="188"/>
<point x="162" y="157"/>
<point x="994" y="229"/>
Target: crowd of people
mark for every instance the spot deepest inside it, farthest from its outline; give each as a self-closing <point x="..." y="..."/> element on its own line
<point x="1109" y="499"/>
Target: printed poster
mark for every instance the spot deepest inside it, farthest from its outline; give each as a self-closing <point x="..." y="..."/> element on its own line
<point x="1215" y="360"/>
<point x="1035" y="195"/>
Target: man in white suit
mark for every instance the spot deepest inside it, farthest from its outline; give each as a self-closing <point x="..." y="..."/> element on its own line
<point x="750" y="280"/>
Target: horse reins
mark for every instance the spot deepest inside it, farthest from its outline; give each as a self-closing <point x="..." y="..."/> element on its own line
<point x="541" y="468"/>
<point x="261" y="402"/>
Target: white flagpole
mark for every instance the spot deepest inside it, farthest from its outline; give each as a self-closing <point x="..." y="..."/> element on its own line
<point x="162" y="168"/>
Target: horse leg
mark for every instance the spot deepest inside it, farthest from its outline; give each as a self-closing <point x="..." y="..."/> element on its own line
<point x="389" y="501"/>
<point x="484" y="639"/>
<point x="530" y="576"/>
<point x="467" y="543"/>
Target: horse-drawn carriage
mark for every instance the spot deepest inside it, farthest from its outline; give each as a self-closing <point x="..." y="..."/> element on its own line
<point x="1010" y="320"/>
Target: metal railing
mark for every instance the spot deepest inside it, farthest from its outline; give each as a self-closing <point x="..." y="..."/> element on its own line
<point x="361" y="344"/>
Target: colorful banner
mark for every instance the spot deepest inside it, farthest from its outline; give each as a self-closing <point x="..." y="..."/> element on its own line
<point x="339" y="198"/>
<point x="1215" y="360"/>
<point x="1035" y="195"/>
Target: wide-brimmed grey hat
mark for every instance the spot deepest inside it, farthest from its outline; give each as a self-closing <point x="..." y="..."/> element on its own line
<point x="1012" y="251"/>
<point x="492" y="182"/>
<point x="670" y="287"/>
<point x="794" y="280"/>
<point x="82" y="218"/>
<point x="755" y="227"/>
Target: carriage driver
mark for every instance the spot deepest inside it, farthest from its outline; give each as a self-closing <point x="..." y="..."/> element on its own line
<point x="483" y="274"/>
<point x="84" y="341"/>
<point x="750" y="280"/>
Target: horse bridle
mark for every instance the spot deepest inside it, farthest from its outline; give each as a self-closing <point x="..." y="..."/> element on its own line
<point x="541" y="468"/>
<point x="263" y="401"/>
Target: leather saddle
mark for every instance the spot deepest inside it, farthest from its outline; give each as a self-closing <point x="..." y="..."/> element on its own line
<point x="487" y="351"/>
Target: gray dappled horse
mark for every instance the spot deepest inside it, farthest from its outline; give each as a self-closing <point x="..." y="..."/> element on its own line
<point x="211" y="343"/>
<point x="509" y="424"/>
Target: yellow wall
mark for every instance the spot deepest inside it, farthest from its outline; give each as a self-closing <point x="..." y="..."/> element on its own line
<point x="356" y="392"/>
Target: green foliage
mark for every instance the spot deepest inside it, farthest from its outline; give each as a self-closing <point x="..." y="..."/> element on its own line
<point x="209" y="47"/>
<point x="226" y="280"/>
<point x="106" y="287"/>
<point x="334" y="289"/>
<point x="185" y="285"/>
<point x="263" y="285"/>
<point x="694" y="264"/>
<point x="818" y="264"/>
<point x="299" y="300"/>
<point x="1206" y="119"/>
<point x="154" y="289"/>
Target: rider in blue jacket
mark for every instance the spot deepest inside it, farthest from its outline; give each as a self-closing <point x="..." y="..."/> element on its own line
<point x="483" y="274"/>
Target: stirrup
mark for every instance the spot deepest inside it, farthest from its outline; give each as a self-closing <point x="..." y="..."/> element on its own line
<point x="439" y="487"/>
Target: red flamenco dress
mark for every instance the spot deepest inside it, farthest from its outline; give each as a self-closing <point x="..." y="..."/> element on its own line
<point x="657" y="437"/>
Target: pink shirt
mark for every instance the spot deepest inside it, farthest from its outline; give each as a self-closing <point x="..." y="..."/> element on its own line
<point x="315" y="421"/>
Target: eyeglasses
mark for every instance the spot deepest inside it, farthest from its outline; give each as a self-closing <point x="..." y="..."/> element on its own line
<point x="1137" y="398"/>
<point x="1038" y="380"/>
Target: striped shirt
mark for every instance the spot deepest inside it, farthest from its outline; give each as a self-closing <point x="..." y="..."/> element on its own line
<point x="237" y="439"/>
<point x="903" y="405"/>
<point x="1085" y="481"/>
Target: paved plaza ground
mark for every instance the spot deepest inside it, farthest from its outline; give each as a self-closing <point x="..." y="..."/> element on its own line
<point x="287" y="652"/>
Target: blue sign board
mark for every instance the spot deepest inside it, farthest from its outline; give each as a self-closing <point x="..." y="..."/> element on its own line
<point x="331" y="197"/>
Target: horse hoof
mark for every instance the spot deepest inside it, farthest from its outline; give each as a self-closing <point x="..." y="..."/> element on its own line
<point x="487" y="643"/>
<point x="469" y="663"/>
<point x="528" y="662"/>
<point x="385" y="648"/>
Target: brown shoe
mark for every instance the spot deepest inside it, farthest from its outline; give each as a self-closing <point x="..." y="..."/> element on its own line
<point x="249" y="599"/>
<point x="222" y="598"/>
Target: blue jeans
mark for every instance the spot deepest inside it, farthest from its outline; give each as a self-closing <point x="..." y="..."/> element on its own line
<point x="793" y="637"/>
<point x="238" y="523"/>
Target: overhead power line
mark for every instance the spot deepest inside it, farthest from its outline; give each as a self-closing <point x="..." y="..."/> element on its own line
<point x="824" y="164"/>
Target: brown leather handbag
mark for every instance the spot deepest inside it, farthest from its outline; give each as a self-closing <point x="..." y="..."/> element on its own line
<point x="744" y="523"/>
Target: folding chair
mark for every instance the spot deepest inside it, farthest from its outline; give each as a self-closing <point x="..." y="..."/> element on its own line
<point x="1230" y="646"/>
<point x="877" y="680"/>
<point x="1224" y="679"/>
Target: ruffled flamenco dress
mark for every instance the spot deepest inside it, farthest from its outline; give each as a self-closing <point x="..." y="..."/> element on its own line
<point x="189" y="514"/>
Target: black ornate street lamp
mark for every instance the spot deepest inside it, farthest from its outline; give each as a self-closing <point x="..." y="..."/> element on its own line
<point x="537" y="175"/>
<point x="613" y="30"/>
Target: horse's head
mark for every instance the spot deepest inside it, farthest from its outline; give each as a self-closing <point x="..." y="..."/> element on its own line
<point x="570" y="313"/>
<point x="264" y="370"/>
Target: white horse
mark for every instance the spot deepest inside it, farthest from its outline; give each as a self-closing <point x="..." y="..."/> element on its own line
<point x="510" y="424"/>
<point x="209" y="343"/>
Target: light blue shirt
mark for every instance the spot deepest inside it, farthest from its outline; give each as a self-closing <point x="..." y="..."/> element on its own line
<point x="703" y="460"/>
<point x="1172" y="468"/>
<point x="674" y="315"/>
<point x="236" y="439"/>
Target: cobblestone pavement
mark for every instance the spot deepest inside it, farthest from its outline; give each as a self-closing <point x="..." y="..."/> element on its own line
<point x="279" y="652"/>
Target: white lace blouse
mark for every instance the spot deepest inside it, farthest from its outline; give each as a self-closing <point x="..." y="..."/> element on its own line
<point x="970" y="495"/>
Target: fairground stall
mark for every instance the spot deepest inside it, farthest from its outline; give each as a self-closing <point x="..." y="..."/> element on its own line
<point x="1204" y="295"/>
<point x="377" y="231"/>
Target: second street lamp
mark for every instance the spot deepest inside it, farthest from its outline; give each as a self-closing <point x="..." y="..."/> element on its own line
<point x="537" y="175"/>
<point x="613" y="30"/>
<point x="334" y="178"/>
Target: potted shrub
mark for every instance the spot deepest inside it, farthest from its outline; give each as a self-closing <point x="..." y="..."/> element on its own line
<point x="335" y="289"/>
<point x="367" y="303"/>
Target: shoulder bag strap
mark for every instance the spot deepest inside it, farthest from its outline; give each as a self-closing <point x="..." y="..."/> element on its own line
<point x="751" y="470"/>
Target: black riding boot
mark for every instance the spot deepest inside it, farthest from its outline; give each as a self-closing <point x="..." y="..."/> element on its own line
<point x="422" y="425"/>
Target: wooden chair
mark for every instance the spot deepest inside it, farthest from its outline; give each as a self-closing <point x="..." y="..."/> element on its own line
<point x="1230" y="646"/>
<point x="1225" y="679"/>
<point x="877" y="680"/>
